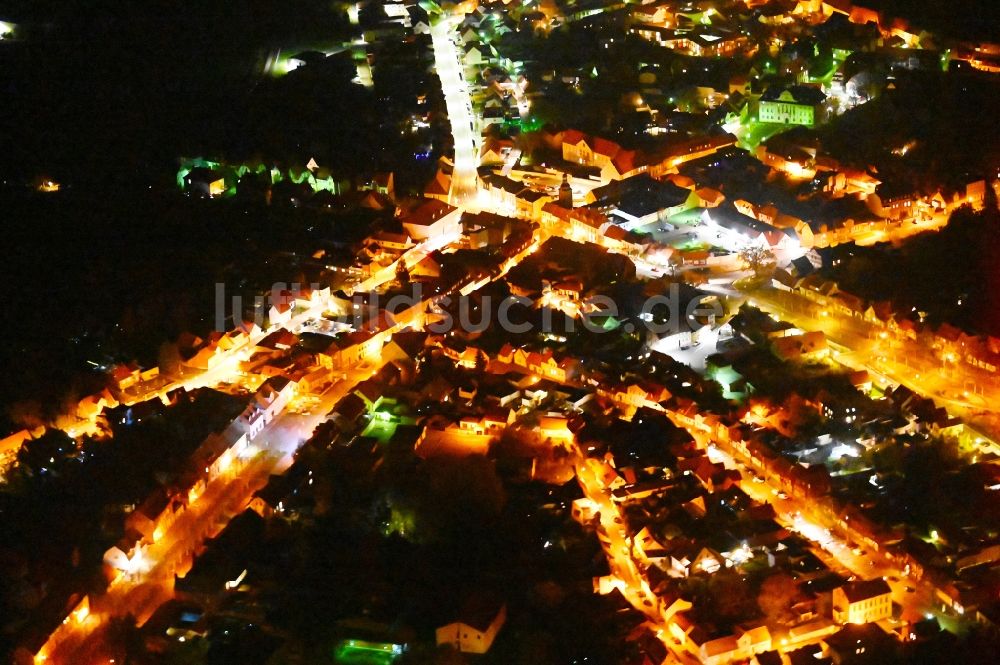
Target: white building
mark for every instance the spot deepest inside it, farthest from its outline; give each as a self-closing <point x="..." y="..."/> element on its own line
<point x="475" y="628"/>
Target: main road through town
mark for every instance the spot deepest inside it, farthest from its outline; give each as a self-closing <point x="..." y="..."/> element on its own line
<point x="965" y="391"/>
<point x="150" y="584"/>
<point x="448" y="64"/>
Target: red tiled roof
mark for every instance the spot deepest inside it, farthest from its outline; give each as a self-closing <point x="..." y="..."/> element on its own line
<point x="774" y="237"/>
<point x="587" y="216"/>
<point x="122" y="372"/>
<point x="681" y="180"/>
<point x="628" y="160"/>
<point x="605" y="147"/>
<point x="616" y="233"/>
<point x="496" y="145"/>
<point x="437" y="185"/>
<point x="284" y="300"/>
<point x="709" y="195"/>
<point x="428" y="212"/>
<point x="573" y="136"/>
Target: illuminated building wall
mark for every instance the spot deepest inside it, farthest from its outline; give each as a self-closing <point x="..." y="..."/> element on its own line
<point x="863" y="602"/>
<point x="786" y="112"/>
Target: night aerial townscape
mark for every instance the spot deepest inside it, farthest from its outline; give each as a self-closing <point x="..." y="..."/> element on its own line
<point x="500" y="332"/>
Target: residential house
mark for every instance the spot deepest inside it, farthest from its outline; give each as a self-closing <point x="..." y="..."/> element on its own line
<point x="267" y="403"/>
<point x="862" y="602"/>
<point x="306" y="298"/>
<point x="514" y="197"/>
<point x="743" y="645"/>
<point x="280" y="314"/>
<point x="585" y="511"/>
<point x="718" y="651"/>
<point x="807" y="346"/>
<point x="545" y="365"/>
<point x="206" y="358"/>
<point x="615" y="162"/>
<point x="975" y="194"/>
<point x="205" y="181"/>
<point x="553" y="427"/>
<point x="784" y="156"/>
<point x="468" y="436"/>
<point x="432" y="219"/>
<point x="348" y="411"/>
<point x="812" y="631"/>
<point x="128" y="555"/>
<point x="869" y="643"/>
<point x="383" y="183"/>
<point x="894" y="201"/>
<point x="439" y="188"/>
<point x="475" y="628"/>
<point x="476" y="56"/>
<point x="581" y="224"/>
<point x="90" y="407"/>
<point x="154" y="516"/>
<point x="495" y="151"/>
<point x="737" y="230"/>
<point x="11" y="445"/>
<point x="355" y="349"/>
<point x="753" y="640"/>
<point x="638" y="395"/>
<point x="691" y="559"/>
<point x="656" y="13"/>
<point x="690" y="150"/>
<point x="125" y="376"/>
<point x="706" y="197"/>
<point x="390" y="242"/>
<point x="315" y="380"/>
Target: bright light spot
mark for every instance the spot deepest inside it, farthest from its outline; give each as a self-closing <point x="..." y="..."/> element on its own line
<point x="796" y="170"/>
<point x="137" y="563"/>
<point x="843" y="450"/>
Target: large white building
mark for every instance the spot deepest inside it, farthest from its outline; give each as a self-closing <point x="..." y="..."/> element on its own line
<point x="794" y="105"/>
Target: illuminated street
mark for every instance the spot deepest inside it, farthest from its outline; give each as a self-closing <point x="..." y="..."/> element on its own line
<point x="901" y="361"/>
<point x="150" y="584"/>
<point x="449" y="69"/>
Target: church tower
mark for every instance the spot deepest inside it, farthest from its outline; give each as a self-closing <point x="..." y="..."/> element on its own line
<point x="565" y="193"/>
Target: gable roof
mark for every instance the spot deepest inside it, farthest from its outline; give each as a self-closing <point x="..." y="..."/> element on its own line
<point x="800" y="94"/>
<point x="863" y="590"/>
<point x="479" y="611"/>
<point x="428" y="212"/>
<point x="573" y="136"/>
<point x="641" y="195"/>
